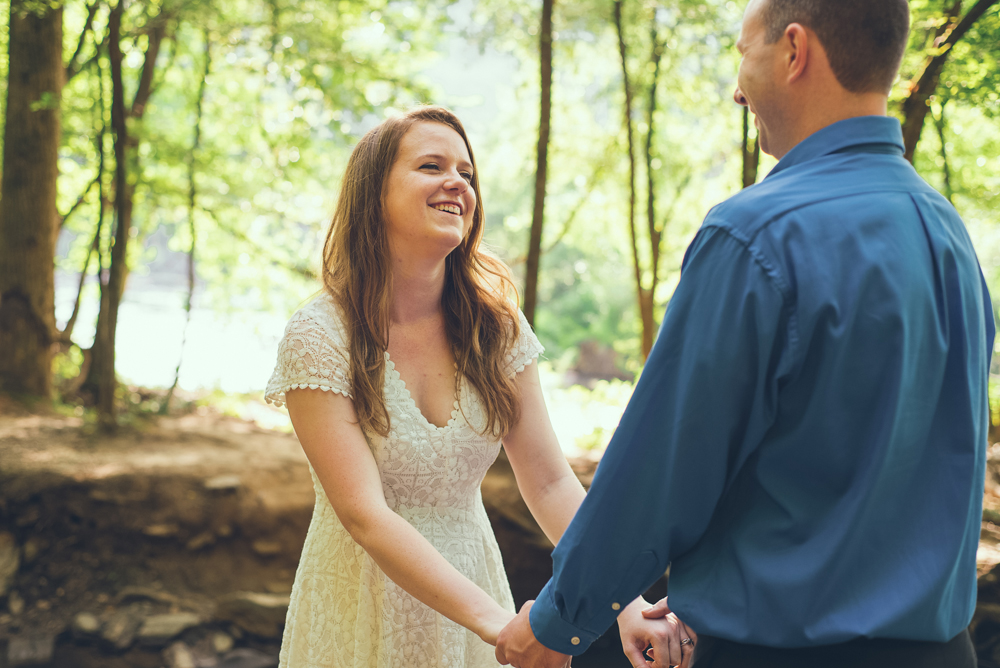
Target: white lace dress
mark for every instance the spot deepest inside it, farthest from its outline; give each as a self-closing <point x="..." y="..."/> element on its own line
<point x="344" y="611"/>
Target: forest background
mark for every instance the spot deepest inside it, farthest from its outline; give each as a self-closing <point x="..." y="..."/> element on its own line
<point x="170" y="167"/>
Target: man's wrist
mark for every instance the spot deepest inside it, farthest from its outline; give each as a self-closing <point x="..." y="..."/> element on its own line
<point x="552" y="631"/>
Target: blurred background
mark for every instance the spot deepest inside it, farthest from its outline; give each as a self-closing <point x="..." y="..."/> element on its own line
<point x="170" y="168"/>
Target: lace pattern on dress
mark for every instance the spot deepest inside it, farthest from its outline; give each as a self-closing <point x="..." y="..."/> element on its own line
<point x="312" y="354"/>
<point x="344" y="612"/>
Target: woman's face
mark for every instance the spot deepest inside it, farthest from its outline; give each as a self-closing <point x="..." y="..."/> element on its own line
<point x="429" y="200"/>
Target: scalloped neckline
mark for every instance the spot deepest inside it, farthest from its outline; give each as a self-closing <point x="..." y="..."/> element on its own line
<point x="456" y="407"/>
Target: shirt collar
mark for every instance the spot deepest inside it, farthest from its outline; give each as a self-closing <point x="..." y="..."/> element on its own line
<point x="852" y="133"/>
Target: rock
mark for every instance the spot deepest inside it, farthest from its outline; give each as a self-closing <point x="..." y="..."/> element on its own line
<point x="145" y="593"/>
<point x="223" y="482"/>
<point x="278" y="587"/>
<point x="158" y="629"/>
<point x="260" y="614"/>
<point x="222" y="642"/>
<point x="203" y="539"/>
<point x="179" y="655"/>
<point x="161" y="530"/>
<point x="120" y="629"/>
<point x="31" y="548"/>
<point x="248" y="658"/>
<point x="10" y="560"/>
<point x="85" y="624"/>
<point x="267" y="548"/>
<point x="28" y="650"/>
<point x="29" y="515"/>
<point x="15" y="603"/>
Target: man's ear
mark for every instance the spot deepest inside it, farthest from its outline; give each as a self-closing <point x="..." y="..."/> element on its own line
<point x="796" y="41"/>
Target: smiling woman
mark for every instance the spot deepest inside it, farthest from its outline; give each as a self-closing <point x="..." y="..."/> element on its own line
<point x="402" y="381"/>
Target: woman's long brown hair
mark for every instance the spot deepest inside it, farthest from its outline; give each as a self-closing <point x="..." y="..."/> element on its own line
<point x="480" y="319"/>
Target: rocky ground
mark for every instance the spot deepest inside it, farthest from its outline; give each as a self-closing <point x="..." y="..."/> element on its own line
<point x="174" y="543"/>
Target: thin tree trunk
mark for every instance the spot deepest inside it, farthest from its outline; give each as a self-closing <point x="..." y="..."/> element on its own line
<point x="623" y="52"/>
<point x="95" y="245"/>
<point x="915" y="106"/>
<point x="102" y="368"/>
<point x="101" y="380"/>
<point x="192" y="204"/>
<point x="751" y="156"/>
<point x="647" y="296"/>
<point x="541" y="167"/>
<point x="939" y="122"/>
<point x="28" y="216"/>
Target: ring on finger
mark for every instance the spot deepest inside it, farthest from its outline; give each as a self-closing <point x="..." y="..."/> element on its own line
<point x="686" y="641"/>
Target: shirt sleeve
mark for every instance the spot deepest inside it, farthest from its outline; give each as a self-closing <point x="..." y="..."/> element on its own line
<point x="312" y="354"/>
<point x="526" y="348"/>
<point x="706" y="396"/>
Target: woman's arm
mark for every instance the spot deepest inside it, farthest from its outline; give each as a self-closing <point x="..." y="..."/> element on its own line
<point x="547" y="483"/>
<point x="327" y="428"/>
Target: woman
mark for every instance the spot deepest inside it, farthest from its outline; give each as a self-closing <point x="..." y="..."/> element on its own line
<point x="402" y="380"/>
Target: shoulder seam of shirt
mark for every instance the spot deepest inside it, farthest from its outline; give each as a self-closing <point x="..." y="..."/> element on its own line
<point x="775" y="279"/>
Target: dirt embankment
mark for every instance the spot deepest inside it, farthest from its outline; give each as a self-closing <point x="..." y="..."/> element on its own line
<point x="175" y="544"/>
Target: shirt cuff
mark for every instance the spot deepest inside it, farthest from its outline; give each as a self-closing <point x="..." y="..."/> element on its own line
<point x="552" y="630"/>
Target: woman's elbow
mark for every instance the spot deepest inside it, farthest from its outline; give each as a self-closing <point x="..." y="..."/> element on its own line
<point x="363" y="525"/>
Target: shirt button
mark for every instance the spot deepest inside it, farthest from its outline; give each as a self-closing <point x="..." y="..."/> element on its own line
<point x="616" y="606"/>
<point x="575" y="640"/>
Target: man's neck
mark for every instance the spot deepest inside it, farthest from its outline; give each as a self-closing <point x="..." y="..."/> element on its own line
<point x="820" y="113"/>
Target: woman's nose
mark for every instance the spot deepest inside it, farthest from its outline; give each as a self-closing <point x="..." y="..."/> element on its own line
<point x="456" y="181"/>
<point x="739" y="97"/>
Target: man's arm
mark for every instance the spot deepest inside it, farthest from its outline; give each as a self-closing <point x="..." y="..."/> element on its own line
<point x="707" y="395"/>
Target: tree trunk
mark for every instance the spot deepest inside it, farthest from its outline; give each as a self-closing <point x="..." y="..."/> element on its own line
<point x="916" y="104"/>
<point x="101" y="377"/>
<point x="541" y="169"/>
<point x="623" y="52"/>
<point x="28" y="217"/>
<point x="101" y="381"/>
<point x="751" y="155"/>
<point x="949" y="190"/>
<point x="192" y="207"/>
<point x="647" y="296"/>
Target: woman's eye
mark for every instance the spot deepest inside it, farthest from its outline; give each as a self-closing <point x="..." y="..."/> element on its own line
<point x="467" y="176"/>
<point x="429" y="165"/>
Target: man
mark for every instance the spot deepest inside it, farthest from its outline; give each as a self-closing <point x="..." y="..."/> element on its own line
<point x="806" y="446"/>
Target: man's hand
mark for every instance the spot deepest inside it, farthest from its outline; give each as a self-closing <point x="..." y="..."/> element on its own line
<point x="518" y="646"/>
<point x="641" y="626"/>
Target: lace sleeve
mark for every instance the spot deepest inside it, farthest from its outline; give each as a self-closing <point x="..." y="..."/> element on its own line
<point x="312" y="354"/>
<point x="526" y="349"/>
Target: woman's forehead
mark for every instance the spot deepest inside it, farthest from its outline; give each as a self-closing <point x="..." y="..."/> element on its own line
<point x="431" y="138"/>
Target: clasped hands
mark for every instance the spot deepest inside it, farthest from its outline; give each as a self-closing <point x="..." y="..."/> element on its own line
<point x="641" y="625"/>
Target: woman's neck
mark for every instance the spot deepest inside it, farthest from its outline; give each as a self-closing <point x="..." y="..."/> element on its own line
<point x="416" y="290"/>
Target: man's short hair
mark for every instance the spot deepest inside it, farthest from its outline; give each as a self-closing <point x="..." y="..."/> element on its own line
<point x="864" y="39"/>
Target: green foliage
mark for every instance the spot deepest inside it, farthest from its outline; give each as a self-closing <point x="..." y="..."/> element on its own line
<point x="292" y="85"/>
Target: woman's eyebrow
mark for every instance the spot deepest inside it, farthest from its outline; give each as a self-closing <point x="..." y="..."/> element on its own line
<point x="441" y="158"/>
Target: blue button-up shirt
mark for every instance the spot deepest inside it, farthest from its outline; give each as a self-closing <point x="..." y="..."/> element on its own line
<point x="806" y="445"/>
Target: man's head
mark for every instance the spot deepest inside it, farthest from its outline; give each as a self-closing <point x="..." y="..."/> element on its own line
<point x="809" y="62"/>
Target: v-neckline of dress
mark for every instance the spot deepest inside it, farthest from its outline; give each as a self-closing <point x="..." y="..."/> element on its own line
<point x="415" y="410"/>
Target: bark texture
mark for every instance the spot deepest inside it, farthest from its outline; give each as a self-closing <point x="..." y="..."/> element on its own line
<point x="751" y="152"/>
<point x="101" y="382"/>
<point x="28" y="217"/>
<point x="541" y="167"/>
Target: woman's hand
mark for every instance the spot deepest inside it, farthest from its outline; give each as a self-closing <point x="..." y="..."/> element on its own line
<point x="642" y="625"/>
<point x="491" y="627"/>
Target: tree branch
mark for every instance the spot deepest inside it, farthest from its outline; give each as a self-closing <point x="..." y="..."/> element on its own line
<point x="915" y="107"/>
<point x="155" y="38"/>
<point x="72" y="67"/>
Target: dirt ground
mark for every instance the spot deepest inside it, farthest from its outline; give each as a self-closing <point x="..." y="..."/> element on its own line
<point x="176" y="515"/>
